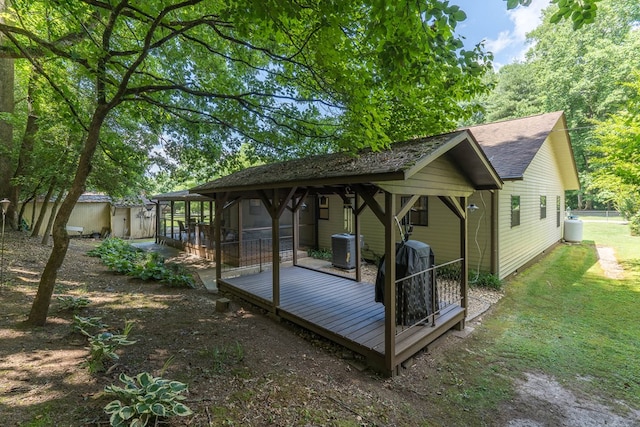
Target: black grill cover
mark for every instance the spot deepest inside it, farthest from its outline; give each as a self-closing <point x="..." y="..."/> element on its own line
<point x="414" y="295"/>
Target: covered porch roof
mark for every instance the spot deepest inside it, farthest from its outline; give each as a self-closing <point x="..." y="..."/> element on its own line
<point x="320" y="174"/>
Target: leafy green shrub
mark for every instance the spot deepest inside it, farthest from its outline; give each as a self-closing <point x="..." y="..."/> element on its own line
<point x="176" y="275"/>
<point x="70" y="303"/>
<point x="103" y="346"/>
<point x="124" y="258"/>
<point x="145" y="398"/>
<point x="485" y="280"/>
<point x="324" y="254"/>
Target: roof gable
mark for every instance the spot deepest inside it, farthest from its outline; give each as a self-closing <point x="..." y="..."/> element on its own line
<point x="511" y="145"/>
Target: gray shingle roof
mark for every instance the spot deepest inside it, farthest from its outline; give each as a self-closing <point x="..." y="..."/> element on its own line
<point x="512" y="144"/>
<point x="343" y="166"/>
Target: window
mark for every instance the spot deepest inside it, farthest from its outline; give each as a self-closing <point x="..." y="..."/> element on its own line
<point x="557" y="211"/>
<point x="515" y="211"/>
<point x="323" y="207"/>
<point x="418" y="215"/>
<point x="543" y="207"/>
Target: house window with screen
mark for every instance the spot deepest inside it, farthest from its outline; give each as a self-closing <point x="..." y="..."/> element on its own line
<point x="418" y="215"/>
<point x="515" y="211"/>
<point x="557" y="211"/>
<point x="543" y="207"/>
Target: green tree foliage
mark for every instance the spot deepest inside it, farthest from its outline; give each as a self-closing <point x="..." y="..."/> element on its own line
<point x="618" y="156"/>
<point x="580" y="12"/>
<point x="208" y="76"/>
<point x="581" y="72"/>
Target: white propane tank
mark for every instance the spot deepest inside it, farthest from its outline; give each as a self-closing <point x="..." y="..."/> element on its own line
<point x="573" y="230"/>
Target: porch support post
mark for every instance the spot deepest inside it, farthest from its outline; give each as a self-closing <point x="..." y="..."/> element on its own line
<point x="356" y="212"/>
<point x="296" y="204"/>
<point x="240" y="233"/>
<point x="187" y="218"/>
<point x="389" y="282"/>
<point x="295" y="224"/>
<point x="464" y="268"/>
<point x="459" y="207"/>
<point x="275" y="252"/>
<point x="158" y="226"/>
<point x="217" y="233"/>
<point x="173" y="207"/>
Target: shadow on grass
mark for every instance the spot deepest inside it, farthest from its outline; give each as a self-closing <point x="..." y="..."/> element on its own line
<point x="565" y="319"/>
<point x="632" y="265"/>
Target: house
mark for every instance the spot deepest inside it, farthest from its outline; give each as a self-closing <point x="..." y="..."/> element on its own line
<point x="507" y="228"/>
<point x="376" y="189"/>
<point x="534" y="159"/>
<point x="99" y="214"/>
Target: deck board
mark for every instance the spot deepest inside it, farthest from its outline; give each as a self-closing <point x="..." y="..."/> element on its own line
<point x="337" y="307"/>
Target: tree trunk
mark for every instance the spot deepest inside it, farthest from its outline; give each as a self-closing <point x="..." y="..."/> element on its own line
<point x="7" y="81"/>
<point x="52" y="217"/>
<point x="35" y="229"/>
<point x="26" y="147"/>
<point x="40" y="307"/>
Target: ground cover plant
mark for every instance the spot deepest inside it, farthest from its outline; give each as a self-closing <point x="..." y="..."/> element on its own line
<point x="562" y="329"/>
<point x="125" y="258"/>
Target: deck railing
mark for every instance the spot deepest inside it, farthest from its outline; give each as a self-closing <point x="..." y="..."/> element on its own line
<point x="254" y="255"/>
<point x="423" y="296"/>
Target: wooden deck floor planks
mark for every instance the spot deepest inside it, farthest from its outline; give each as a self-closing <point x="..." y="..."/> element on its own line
<point x="344" y="309"/>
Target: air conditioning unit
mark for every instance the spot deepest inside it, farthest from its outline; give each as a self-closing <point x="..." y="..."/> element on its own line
<point x="343" y="248"/>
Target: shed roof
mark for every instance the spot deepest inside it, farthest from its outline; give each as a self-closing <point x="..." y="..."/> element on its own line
<point x="511" y="145"/>
<point x="397" y="163"/>
<point x="181" y="195"/>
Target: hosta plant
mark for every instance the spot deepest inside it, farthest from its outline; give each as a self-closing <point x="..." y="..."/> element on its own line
<point x="103" y="346"/>
<point x="70" y="303"/>
<point x="144" y="399"/>
<point x="85" y="324"/>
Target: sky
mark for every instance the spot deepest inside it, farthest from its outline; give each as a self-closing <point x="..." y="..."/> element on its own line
<point x="504" y="31"/>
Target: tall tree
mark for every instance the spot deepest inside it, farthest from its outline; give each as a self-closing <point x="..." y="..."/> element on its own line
<point x="6" y="128"/>
<point x="276" y="74"/>
<point x="581" y="72"/>
<point x="618" y="156"/>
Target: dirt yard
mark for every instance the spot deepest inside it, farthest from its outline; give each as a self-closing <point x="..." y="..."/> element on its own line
<point x="242" y="367"/>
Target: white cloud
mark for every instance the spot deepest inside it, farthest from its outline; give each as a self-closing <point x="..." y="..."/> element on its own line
<point x="514" y="41"/>
<point x="502" y="42"/>
<point x="527" y="18"/>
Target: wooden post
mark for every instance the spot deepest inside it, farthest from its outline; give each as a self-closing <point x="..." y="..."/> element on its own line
<point x="217" y="233"/>
<point x="389" y="282"/>
<point x="240" y="245"/>
<point x="356" y="213"/>
<point x="295" y="235"/>
<point x="158" y="226"/>
<point x="173" y="206"/>
<point x="275" y="250"/>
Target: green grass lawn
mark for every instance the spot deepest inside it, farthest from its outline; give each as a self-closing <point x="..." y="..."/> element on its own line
<point x="561" y="317"/>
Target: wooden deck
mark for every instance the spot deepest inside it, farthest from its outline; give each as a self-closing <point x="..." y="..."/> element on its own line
<point x="339" y="309"/>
